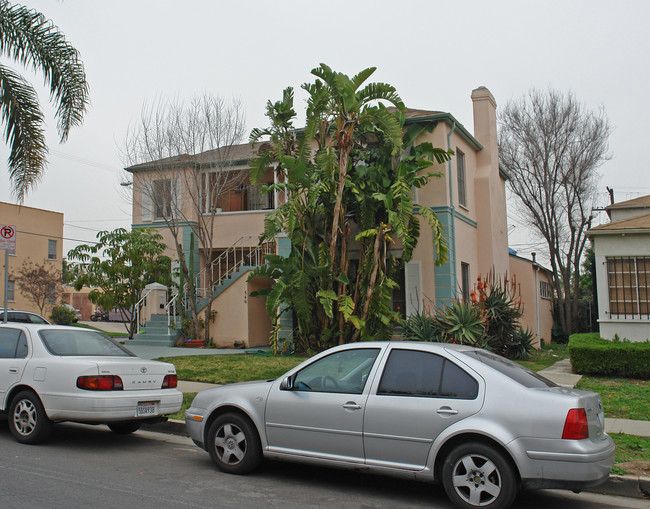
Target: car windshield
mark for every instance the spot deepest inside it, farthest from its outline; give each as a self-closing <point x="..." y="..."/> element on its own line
<point x="511" y="369"/>
<point x="81" y="342"/>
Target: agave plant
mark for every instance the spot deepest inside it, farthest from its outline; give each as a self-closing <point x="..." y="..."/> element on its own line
<point x="421" y="326"/>
<point x="521" y="345"/>
<point x="462" y="323"/>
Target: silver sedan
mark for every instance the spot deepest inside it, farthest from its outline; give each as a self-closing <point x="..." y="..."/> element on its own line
<point x="481" y="425"/>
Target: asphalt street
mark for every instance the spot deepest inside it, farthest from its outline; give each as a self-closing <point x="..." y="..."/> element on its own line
<point x="89" y="466"/>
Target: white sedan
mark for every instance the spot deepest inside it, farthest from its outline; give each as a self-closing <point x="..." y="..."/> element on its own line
<point x="51" y="373"/>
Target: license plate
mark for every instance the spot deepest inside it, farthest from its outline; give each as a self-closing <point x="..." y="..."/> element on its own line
<point x="146" y="408"/>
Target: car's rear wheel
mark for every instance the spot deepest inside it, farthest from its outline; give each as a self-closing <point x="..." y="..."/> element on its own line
<point x="28" y="421"/>
<point x="124" y="427"/>
<point x="234" y="445"/>
<point x="478" y="475"/>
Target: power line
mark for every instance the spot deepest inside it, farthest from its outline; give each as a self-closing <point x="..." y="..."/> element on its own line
<point x="56" y="237"/>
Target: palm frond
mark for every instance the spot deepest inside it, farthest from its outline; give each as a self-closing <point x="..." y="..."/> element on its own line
<point x="21" y="114"/>
<point x="27" y="37"/>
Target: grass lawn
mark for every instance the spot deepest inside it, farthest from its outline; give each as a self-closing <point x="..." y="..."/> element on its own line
<point x="632" y="454"/>
<point x="111" y="334"/>
<point x="226" y="369"/>
<point x="623" y="398"/>
<point x="546" y="356"/>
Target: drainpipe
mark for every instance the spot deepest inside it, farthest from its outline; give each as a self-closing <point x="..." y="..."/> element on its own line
<point x="453" y="215"/>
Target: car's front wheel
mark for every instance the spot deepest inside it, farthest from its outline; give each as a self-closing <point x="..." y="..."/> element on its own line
<point x="124" y="427"/>
<point x="28" y="421"/>
<point x="478" y="475"/>
<point x="234" y="445"/>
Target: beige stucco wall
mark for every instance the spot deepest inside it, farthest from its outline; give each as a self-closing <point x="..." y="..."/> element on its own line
<point x="34" y="227"/>
<point x="538" y="311"/>
<point x="240" y="318"/>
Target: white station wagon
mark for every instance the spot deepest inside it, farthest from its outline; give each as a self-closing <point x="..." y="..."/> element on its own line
<point x="51" y="373"/>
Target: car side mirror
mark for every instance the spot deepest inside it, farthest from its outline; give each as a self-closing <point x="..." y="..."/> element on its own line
<point x="287" y="384"/>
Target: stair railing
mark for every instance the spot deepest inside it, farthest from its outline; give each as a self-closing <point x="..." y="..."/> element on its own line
<point x="246" y="251"/>
<point x="138" y="307"/>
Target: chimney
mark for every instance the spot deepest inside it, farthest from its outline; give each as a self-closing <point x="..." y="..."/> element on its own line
<point x="533" y="255"/>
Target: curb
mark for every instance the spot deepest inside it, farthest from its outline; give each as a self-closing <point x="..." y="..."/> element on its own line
<point x="171" y="427"/>
<point x="624" y="486"/>
<point x="617" y="485"/>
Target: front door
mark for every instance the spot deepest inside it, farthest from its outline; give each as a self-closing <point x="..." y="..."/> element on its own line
<point x="322" y="414"/>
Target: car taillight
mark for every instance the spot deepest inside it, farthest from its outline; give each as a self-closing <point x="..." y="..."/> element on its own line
<point x="100" y="383"/>
<point x="575" y="425"/>
<point x="170" y="382"/>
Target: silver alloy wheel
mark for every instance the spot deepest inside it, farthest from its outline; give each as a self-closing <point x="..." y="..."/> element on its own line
<point x="477" y="480"/>
<point x="230" y="444"/>
<point x="25" y="417"/>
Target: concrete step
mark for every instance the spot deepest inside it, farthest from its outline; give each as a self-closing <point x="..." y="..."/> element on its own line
<point x="151" y="340"/>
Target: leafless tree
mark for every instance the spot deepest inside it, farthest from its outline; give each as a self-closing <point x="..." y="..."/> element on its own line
<point x="551" y="145"/>
<point x="40" y="283"/>
<point x="181" y="156"/>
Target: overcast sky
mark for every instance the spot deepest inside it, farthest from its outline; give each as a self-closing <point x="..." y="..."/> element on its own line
<point x="433" y="52"/>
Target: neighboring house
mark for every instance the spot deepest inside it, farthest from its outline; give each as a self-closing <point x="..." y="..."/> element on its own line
<point x="469" y="199"/>
<point x="622" y="249"/>
<point x="39" y="235"/>
<point x="535" y="286"/>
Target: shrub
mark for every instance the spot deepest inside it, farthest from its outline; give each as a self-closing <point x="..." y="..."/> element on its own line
<point x="592" y="355"/>
<point x="62" y="315"/>
<point x="462" y="323"/>
<point x="421" y="326"/>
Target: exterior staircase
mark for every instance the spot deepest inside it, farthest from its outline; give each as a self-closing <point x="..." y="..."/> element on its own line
<point x="155" y="333"/>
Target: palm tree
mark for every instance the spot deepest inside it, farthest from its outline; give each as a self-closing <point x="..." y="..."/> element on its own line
<point x="35" y="42"/>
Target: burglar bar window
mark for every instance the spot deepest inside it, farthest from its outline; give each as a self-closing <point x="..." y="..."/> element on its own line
<point x="628" y="279"/>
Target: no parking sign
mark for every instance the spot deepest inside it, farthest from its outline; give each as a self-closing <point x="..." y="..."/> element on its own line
<point x="8" y="237"/>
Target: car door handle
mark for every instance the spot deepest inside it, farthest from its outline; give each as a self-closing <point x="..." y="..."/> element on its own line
<point x="445" y="410"/>
<point x="351" y="405"/>
<point x="13" y="370"/>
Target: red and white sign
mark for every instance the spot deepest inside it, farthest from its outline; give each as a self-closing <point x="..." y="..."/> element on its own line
<point x="7" y="236"/>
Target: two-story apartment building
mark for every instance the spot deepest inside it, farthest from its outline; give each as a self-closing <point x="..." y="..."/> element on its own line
<point x="39" y="235"/>
<point x="469" y="199"/>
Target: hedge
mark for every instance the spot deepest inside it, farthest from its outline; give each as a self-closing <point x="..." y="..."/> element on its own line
<point x="592" y="355"/>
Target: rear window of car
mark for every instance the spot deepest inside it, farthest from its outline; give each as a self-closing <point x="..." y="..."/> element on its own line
<point x="24" y="317"/>
<point x="81" y="343"/>
<point x="511" y="369"/>
<point x="423" y="374"/>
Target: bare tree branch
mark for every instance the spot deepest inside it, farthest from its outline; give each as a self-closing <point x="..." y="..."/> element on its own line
<point x="552" y="146"/>
<point x="180" y="154"/>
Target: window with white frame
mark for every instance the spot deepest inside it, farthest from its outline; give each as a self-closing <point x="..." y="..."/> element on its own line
<point x="51" y="249"/>
<point x="460" y="178"/>
<point x="544" y="290"/>
<point x="628" y="281"/>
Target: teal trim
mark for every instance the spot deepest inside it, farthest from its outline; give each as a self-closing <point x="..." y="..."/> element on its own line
<point x="449" y="119"/>
<point x="187" y="233"/>
<point x="445" y="275"/>
<point x="458" y="215"/>
<point x="283" y="244"/>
